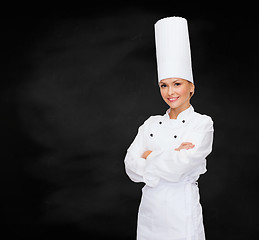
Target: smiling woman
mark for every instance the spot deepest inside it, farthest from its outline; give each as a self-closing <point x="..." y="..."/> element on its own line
<point x="169" y="152"/>
<point x="177" y="93"/>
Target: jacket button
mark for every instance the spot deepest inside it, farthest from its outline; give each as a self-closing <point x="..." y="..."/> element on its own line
<point x="183" y="121"/>
<point x="175" y="136"/>
<point x="160" y="122"/>
<point x="151" y="135"/>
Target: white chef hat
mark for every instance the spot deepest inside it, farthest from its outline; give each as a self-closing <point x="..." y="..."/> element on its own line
<point x="173" y="49"/>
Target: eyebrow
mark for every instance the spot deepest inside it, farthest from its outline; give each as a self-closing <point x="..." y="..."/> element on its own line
<point x="172" y="82"/>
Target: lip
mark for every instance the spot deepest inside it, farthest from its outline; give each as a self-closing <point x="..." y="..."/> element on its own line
<point x="173" y="99"/>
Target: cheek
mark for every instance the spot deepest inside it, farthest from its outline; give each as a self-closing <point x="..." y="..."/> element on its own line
<point x="163" y="93"/>
<point x="183" y="91"/>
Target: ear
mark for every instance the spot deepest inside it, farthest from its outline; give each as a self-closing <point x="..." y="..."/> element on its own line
<point x="192" y="89"/>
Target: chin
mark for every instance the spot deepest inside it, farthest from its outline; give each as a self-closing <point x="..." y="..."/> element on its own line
<point x="176" y="105"/>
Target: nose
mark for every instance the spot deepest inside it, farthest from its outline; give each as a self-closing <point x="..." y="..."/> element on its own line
<point x="170" y="91"/>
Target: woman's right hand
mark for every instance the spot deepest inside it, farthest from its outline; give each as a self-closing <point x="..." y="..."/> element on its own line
<point x="185" y="145"/>
<point x="145" y="154"/>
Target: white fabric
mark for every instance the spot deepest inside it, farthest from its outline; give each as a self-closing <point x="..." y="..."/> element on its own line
<point x="170" y="208"/>
<point x="173" y="49"/>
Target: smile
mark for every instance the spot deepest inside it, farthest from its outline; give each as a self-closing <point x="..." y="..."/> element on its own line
<point x="172" y="99"/>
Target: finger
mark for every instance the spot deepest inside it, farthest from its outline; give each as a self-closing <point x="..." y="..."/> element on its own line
<point x="191" y="146"/>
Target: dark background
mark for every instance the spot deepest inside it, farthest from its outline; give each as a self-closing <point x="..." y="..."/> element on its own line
<point x="77" y="82"/>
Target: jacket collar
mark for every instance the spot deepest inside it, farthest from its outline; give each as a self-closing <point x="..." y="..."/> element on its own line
<point x="182" y="115"/>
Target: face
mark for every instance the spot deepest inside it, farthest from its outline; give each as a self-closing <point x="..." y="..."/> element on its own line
<point x="176" y="92"/>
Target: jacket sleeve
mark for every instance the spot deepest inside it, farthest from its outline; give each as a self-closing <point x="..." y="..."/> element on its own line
<point x="174" y="165"/>
<point x="134" y="163"/>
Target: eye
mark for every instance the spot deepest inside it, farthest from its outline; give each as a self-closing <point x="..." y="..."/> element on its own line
<point x="177" y="84"/>
<point x="163" y="85"/>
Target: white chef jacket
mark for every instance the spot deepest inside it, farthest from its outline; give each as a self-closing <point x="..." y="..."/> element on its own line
<point x="170" y="207"/>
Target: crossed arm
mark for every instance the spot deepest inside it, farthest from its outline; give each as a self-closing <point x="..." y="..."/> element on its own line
<point x="184" y="145"/>
<point x="144" y="165"/>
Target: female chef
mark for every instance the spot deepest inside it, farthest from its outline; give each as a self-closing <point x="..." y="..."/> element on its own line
<point x="169" y="152"/>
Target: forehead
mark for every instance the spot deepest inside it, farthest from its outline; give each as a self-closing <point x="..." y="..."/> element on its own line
<point x="171" y="80"/>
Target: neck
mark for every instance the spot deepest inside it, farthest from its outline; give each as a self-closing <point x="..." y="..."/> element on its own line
<point x="174" y="112"/>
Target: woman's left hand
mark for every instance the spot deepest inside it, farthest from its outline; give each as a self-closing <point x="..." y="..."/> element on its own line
<point x="185" y="145"/>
